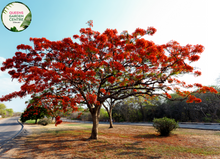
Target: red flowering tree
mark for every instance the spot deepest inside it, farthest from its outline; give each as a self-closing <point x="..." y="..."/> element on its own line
<point x="34" y="113"/>
<point x="45" y="99"/>
<point x="100" y="67"/>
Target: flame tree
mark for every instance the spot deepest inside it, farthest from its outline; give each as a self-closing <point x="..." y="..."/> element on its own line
<point x="100" y="67"/>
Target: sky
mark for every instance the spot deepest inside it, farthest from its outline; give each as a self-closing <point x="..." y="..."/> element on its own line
<point x="185" y="21"/>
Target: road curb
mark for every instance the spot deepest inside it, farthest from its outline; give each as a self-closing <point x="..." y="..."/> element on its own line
<point x="22" y="126"/>
<point x="189" y="123"/>
<point x="199" y="123"/>
<point x="198" y="128"/>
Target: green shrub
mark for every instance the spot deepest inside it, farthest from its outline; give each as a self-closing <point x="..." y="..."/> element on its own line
<point x="44" y="121"/>
<point x="165" y="125"/>
<point x="207" y="119"/>
<point x="217" y="121"/>
<point x="121" y="120"/>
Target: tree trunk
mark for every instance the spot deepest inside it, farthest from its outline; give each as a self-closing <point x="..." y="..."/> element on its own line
<point x="109" y="114"/>
<point x="95" y="120"/>
<point x="35" y="121"/>
<point x="110" y="118"/>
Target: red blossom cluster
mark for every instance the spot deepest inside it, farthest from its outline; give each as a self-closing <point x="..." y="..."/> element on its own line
<point x="151" y="30"/>
<point x="205" y="89"/>
<point x="169" y="96"/>
<point x="58" y="121"/>
<point x="79" y="115"/>
<point x="192" y="99"/>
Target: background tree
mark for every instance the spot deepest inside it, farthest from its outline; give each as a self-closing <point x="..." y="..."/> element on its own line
<point x="210" y="106"/>
<point x="55" y="109"/>
<point x="125" y="111"/>
<point x="206" y="111"/>
<point x="135" y="109"/>
<point x="17" y="114"/>
<point x="100" y="67"/>
<point x="4" y="112"/>
<point x="109" y="105"/>
<point x="2" y="109"/>
<point x="9" y="112"/>
<point x="34" y="113"/>
<point x="143" y="103"/>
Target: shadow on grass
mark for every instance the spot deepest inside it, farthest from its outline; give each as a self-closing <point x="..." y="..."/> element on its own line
<point x="68" y="144"/>
<point x="150" y="136"/>
<point x="57" y="148"/>
<point x="74" y="144"/>
<point x="133" y="149"/>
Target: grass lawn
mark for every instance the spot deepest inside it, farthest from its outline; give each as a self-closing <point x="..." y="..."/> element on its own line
<point x="30" y="121"/>
<point x="69" y="140"/>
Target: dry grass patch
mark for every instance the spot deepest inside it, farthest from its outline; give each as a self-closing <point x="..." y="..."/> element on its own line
<point x="70" y="141"/>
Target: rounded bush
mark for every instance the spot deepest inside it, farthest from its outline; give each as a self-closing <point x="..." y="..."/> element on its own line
<point x="44" y="121"/>
<point x="165" y="125"/>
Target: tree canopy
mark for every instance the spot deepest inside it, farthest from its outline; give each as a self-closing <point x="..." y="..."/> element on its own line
<point x="2" y="109"/>
<point x="100" y="67"/>
<point x="34" y="113"/>
<point x="5" y="112"/>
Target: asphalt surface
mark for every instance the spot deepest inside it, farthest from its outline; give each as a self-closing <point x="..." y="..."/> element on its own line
<point x="9" y="128"/>
<point x="200" y="126"/>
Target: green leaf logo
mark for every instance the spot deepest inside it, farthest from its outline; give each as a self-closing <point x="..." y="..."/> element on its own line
<point x="14" y="29"/>
<point x="27" y="21"/>
<point x="16" y="16"/>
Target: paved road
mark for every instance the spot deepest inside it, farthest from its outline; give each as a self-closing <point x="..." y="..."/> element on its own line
<point x="202" y="126"/>
<point x="9" y="128"/>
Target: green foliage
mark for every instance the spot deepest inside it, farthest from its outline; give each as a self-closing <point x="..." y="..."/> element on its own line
<point x="103" y="114"/>
<point x="30" y="122"/>
<point x="27" y="21"/>
<point x="44" y="121"/>
<point x="5" y="112"/>
<point x="2" y="106"/>
<point x="2" y="109"/>
<point x="85" y="115"/>
<point x="117" y="116"/>
<point x="217" y="121"/>
<point x="135" y="109"/>
<point x="14" y="29"/>
<point x="81" y="108"/>
<point x="2" y="112"/>
<point x="121" y="120"/>
<point x="165" y="125"/>
<point x="10" y="112"/>
<point x="207" y="119"/>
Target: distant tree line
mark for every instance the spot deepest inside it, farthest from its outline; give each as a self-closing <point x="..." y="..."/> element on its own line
<point x="4" y="112"/>
<point x="135" y="109"/>
<point x="138" y="109"/>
